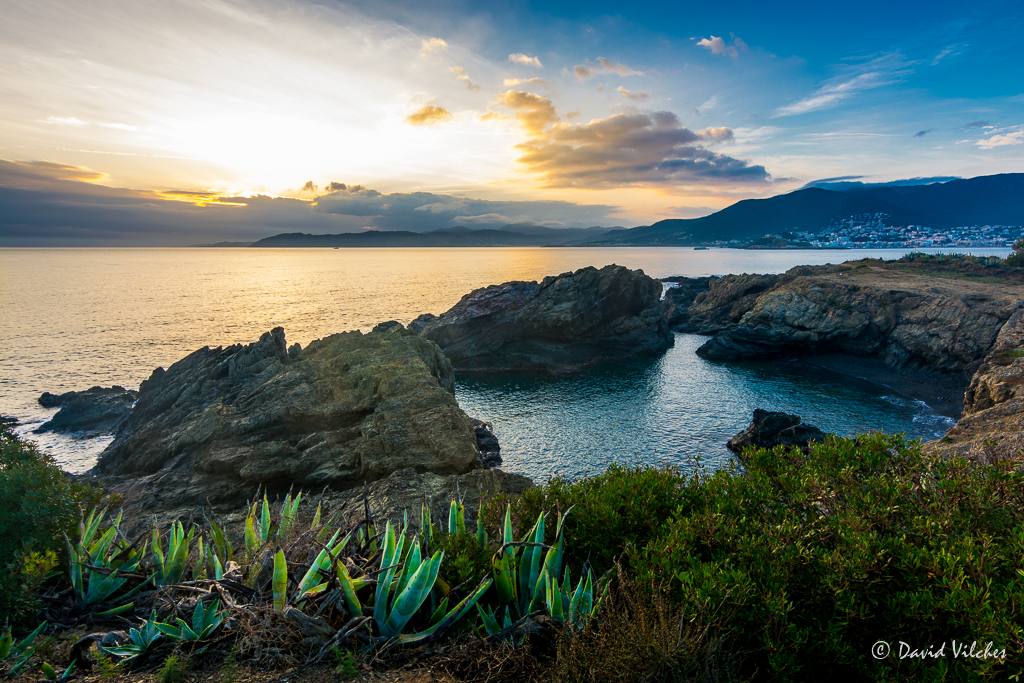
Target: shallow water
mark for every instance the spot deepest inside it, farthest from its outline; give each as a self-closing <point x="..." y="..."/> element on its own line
<point x="74" y="318"/>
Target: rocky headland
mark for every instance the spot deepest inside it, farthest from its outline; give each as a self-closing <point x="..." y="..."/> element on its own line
<point x="949" y="332"/>
<point x="560" y="324"/>
<point x="348" y="409"/>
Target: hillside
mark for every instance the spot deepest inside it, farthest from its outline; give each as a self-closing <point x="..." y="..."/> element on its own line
<point x="994" y="200"/>
<point x="512" y="235"/>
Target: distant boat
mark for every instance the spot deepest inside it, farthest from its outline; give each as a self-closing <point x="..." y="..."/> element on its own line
<point x="336" y="247"/>
<point x="699" y="248"/>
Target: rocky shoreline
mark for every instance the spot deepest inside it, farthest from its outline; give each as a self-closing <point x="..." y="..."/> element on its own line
<point x="378" y="409"/>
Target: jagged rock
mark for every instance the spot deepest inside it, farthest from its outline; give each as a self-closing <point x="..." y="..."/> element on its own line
<point x="993" y="419"/>
<point x="769" y="429"/>
<point x="906" y="323"/>
<point x="97" y="410"/>
<point x="679" y="299"/>
<point x="421" y="322"/>
<point x="562" y="323"/>
<point x="487" y="443"/>
<point x="348" y="408"/>
<point x="726" y="300"/>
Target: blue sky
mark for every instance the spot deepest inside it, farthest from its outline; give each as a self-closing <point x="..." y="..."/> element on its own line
<point x="634" y="113"/>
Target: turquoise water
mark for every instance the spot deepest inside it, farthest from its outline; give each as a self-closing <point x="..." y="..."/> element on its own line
<point x="74" y="318"/>
<point x="676" y="409"/>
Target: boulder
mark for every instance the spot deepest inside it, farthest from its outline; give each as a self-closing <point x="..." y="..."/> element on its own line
<point x="487" y="443"/>
<point x="347" y="409"/>
<point x="559" y="324"/>
<point x="98" y="410"/>
<point x="770" y="429"/>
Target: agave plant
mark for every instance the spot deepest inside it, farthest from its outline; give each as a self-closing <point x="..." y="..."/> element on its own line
<point x="205" y="621"/>
<point x="170" y="564"/>
<point x="94" y="564"/>
<point x="21" y="651"/>
<point x="141" y="640"/>
<point x="412" y="581"/>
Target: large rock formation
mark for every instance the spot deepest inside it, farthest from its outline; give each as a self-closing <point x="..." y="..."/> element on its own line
<point x="346" y="409"/>
<point x="993" y="421"/>
<point x="562" y="323"/>
<point x="908" y="320"/>
<point x="97" y="410"/>
<point x="770" y="429"/>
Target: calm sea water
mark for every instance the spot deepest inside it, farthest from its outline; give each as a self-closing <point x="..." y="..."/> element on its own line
<point x="74" y="318"/>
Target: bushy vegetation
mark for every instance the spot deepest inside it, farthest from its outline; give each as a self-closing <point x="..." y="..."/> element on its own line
<point x="791" y="568"/>
<point x="38" y="505"/>
<point x="957" y="265"/>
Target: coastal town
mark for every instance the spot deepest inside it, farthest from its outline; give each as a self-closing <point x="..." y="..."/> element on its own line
<point x="871" y="231"/>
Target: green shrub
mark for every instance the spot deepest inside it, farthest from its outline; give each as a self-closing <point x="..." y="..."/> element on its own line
<point x="815" y="558"/>
<point x="623" y="507"/>
<point x="39" y="502"/>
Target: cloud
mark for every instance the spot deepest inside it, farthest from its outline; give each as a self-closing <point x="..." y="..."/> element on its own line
<point x="423" y="211"/>
<point x="880" y="71"/>
<point x="53" y="205"/>
<point x="950" y="50"/>
<point x="635" y="96"/>
<point x="520" y="58"/>
<point x="428" y="115"/>
<point x="461" y="75"/>
<point x="47" y="204"/>
<point x="533" y="112"/>
<point x="974" y="124"/>
<point x="922" y="133"/>
<point x="513" y="82"/>
<point x="603" y="66"/>
<point x="64" y="121"/>
<point x="309" y="187"/>
<point x="1015" y="138"/>
<point x="432" y="46"/>
<point x="622" y="150"/>
<point x="718" y="46"/>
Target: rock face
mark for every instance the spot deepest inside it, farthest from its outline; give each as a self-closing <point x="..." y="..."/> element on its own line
<point x="562" y="323"/>
<point x="909" y="321"/>
<point x="97" y="410"/>
<point x="346" y="409"/>
<point x="993" y="419"/>
<point x="770" y="429"/>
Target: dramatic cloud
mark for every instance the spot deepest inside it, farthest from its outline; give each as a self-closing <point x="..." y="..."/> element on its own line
<point x="635" y="96"/>
<point x="520" y="58"/>
<point x="718" y="46"/>
<point x="922" y="133"/>
<point x="428" y="115"/>
<point x="422" y="211"/>
<point x="46" y="204"/>
<point x="603" y="66"/>
<point x="622" y="150"/>
<point x="513" y="82"/>
<point x="878" y="72"/>
<point x="1016" y="138"/>
<point x="461" y="75"/>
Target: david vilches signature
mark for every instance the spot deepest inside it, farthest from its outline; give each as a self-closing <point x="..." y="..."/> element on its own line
<point x="958" y="649"/>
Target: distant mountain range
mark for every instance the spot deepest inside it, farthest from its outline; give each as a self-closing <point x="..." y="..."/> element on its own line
<point x="511" y="235"/>
<point x="992" y="200"/>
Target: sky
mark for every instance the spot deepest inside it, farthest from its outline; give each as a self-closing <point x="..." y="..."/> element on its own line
<point x="131" y="122"/>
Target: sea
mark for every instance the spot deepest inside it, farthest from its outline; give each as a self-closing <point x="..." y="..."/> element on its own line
<point x="75" y="318"/>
